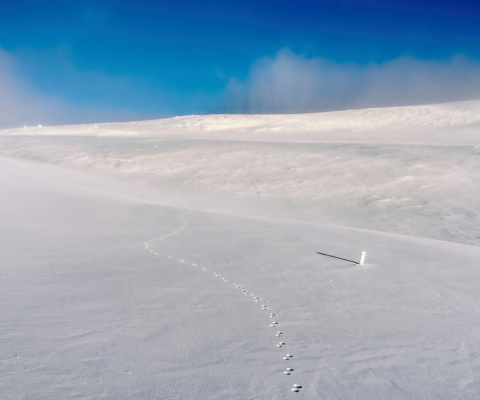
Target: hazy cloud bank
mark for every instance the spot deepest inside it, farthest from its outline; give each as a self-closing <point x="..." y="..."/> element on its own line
<point x="285" y="83"/>
<point x="290" y="83"/>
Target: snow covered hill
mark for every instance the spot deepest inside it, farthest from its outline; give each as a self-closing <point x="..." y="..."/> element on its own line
<point x="408" y="170"/>
<point x="448" y="123"/>
<point x="215" y="257"/>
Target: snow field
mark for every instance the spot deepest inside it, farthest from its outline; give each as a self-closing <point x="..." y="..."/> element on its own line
<point x="169" y="281"/>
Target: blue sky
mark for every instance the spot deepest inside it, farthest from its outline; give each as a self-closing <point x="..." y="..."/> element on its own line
<point x="67" y="61"/>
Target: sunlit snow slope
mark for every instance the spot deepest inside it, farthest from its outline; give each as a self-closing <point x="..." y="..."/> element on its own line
<point x="409" y="170"/>
<point x="184" y="258"/>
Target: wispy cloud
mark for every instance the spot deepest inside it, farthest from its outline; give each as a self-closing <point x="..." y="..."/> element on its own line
<point x="20" y="103"/>
<point x="290" y="82"/>
<point x="81" y="95"/>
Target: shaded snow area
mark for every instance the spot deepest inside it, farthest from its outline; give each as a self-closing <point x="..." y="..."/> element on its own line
<point x="216" y="257"/>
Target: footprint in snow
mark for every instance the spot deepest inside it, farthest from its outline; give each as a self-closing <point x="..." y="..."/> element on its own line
<point x="296" y="388"/>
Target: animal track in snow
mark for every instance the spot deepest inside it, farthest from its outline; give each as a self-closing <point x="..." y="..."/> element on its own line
<point x="265" y="306"/>
<point x="182" y="218"/>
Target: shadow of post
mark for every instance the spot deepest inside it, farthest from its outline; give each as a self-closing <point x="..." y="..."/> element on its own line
<point x="338" y="258"/>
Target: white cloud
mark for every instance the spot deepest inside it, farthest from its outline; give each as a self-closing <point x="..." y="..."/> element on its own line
<point x="290" y="82"/>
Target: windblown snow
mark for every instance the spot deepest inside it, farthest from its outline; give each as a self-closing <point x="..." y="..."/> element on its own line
<point x="217" y="257"/>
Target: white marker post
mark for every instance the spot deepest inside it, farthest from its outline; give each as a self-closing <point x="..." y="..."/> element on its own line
<point x="362" y="257"/>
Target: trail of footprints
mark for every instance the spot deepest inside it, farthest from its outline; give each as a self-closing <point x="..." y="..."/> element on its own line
<point x="148" y="243"/>
<point x="264" y="307"/>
